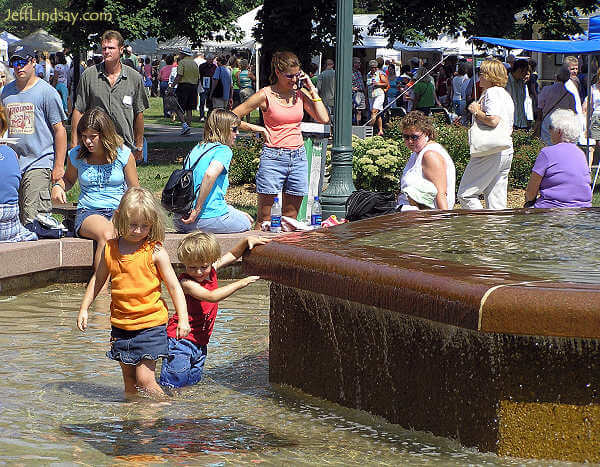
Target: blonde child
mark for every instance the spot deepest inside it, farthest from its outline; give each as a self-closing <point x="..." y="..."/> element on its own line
<point x="201" y="255"/>
<point x="136" y="262"/>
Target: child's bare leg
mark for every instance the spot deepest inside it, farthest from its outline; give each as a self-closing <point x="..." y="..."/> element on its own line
<point x="146" y="380"/>
<point x="129" y="380"/>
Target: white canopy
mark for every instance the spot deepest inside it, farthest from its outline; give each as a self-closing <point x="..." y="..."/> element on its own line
<point x="8" y="37"/>
<point x="40" y="40"/>
<point x="144" y="46"/>
<point x="245" y="22"/>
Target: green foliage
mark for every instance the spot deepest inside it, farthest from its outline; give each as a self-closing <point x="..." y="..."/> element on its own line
<point x="404" y="19"/>
<point x="377" y="163"/>
<point x="244" y="164"/>
<point x="455" y="139"/>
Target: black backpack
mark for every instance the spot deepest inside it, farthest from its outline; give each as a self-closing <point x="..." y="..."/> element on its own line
<point x="363" y="204"/>
<point x="179" y="196"/>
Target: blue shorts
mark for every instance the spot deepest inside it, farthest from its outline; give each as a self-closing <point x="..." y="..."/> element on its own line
<point x="282" y="170"/>
<point x="184" y="365"/>
<point x="131" y="347"/>
<point x="232" y="222"/>
<point x="83" y="213"/>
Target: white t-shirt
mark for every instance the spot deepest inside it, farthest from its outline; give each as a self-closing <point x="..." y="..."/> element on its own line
<point x="497" y="101"/>
<point x="61" y="73"/>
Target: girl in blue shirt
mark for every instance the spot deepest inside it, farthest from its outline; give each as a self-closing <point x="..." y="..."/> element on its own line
<point x="104" y="167"/>
<point x="211" y="212"/>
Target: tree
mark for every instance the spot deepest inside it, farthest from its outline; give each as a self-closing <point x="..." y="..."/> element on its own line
<point x="409" y="20"/>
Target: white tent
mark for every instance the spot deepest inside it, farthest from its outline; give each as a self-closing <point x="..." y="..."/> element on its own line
<point x="144" y="46"/>
<point x="40" y="40"/>
<point x="8" y="37"/>
<point x="3" y="50"/>
<point x="245" y="22"/>
<point x="173" y="46"/>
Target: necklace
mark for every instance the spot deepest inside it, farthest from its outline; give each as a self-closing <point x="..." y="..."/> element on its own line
<point x="281" y="96"/>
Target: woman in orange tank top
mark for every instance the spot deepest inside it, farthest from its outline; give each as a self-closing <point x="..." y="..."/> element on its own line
<point x="136" y="264"/>
<point x="283" y="165"/>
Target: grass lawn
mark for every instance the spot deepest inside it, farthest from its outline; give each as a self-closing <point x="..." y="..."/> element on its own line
<point x="154" y="114"/>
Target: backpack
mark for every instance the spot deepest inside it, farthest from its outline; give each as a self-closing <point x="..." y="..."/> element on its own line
<point x="179" y="196"/>
<point x="218" y="91"/>
<point x="363" y="204"/>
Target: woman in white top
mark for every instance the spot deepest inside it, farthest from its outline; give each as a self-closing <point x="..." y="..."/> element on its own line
<point x="595" y="120"/>
<point x="428" y="161"/>
<point x="488" y="175"/>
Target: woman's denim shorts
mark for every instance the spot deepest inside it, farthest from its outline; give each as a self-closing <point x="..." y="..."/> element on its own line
<point x="83" y="213"/>
<point x="282" y="170"/>
<point x="131" y="347"/>
<point x="232" y="222"/>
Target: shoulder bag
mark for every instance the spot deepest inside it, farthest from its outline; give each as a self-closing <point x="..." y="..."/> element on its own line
<point x="485" y="140"/>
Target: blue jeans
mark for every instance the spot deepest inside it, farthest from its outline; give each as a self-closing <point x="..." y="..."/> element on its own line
<point x="282" y="169"/>
<point x="232" y="222"/>
<point x="184" y="365"/>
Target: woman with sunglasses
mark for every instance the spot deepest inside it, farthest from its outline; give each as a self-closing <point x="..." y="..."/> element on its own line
<point x="211" y="212"/>
<point x="283" y="165"/>
<point x="428" y="161"/>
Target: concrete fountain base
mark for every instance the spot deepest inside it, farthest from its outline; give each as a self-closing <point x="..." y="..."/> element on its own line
<point x="520" y="396"/>
<point x="499" y="362"/>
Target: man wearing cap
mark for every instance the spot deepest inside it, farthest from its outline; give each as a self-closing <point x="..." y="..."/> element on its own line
<point x="118" y="90"/>
<point x="207" y="71"/>
<point x="35" y="117"/>
<point x="187" y="86"/>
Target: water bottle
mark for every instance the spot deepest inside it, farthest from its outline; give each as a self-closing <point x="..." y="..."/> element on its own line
<point x="276" y="216"/>
<point x="316" y="214"/>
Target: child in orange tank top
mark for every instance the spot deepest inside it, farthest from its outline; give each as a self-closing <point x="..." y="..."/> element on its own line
<point x="136" y="264"/>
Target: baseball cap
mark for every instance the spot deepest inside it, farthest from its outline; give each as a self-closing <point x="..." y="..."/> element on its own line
<point x="373" y="63"/>
<point x="22" y="51"/>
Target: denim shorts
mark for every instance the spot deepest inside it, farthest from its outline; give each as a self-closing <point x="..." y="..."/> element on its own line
<point x="131" y="347"/>
<point x="282" y="170"/>
<point x="184" y="365"/>
<point x="83" y="213"/>
<point x="232" y="222"/>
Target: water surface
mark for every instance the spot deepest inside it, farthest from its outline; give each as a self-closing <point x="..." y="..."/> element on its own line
<point x="62" y="400"/>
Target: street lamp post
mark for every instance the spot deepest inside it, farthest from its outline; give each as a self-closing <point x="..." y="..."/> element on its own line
<point x="340" y="186"/>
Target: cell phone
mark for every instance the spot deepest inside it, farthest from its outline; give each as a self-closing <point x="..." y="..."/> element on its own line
<point x="300" y="82"/>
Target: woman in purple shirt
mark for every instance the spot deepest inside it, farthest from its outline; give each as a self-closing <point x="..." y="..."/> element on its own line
<point x="560" y="174"/>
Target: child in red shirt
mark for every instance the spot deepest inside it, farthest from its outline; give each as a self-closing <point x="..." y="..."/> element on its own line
<point x="201" y="255"/>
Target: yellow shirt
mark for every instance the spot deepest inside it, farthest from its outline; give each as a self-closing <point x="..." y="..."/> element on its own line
<point x="188" y="71"/>
<point x="135" y="288"/>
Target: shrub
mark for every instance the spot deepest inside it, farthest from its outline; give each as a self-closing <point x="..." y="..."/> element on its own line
<point x="244" y="164"/>
<point x="377" y="163"/>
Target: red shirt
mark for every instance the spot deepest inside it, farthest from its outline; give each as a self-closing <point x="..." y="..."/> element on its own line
<point x="202" y="314"/>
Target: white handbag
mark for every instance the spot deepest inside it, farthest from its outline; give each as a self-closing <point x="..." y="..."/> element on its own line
<point x="485" y="140"/>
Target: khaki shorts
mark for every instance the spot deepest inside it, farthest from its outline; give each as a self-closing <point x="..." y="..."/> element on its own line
<point x="219" y="103"/>
<point x="34" y="194"/>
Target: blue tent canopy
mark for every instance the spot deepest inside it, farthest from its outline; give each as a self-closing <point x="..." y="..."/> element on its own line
<point x="552" y="47"/>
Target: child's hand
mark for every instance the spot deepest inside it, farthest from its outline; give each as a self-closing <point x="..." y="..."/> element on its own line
<point x="249" y="280"/>
<point x="183" y="328"/>
<point x="82" y="319"/>
<point x="253" y="241"/>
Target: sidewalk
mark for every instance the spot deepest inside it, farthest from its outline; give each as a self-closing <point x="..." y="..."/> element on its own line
<point x="157" y="133"/>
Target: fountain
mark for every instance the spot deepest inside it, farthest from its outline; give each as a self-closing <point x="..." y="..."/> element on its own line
<point x="482" y="327"/>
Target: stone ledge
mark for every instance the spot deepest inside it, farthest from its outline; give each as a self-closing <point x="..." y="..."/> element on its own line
<point x="22" y="259"/>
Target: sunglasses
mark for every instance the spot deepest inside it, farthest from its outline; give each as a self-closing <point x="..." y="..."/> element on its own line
<point x="291" y="76"/>
<point x="235" y="129"/>
<point x="19" y="63"/>
<point x="412" y="137"/>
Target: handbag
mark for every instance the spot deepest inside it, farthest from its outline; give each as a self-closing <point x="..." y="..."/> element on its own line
<point x="486" y="140"/>
<point x="179" y="196"/>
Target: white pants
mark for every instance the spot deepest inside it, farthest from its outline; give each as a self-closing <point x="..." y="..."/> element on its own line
<point x="487" y="175"/>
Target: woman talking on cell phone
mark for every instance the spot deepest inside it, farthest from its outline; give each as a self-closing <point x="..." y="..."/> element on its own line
<point x="283" y="165"/>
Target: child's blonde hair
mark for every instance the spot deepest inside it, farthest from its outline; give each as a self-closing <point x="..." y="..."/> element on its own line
<point x="217" y="128"/>
<point x="199" y="247"/>
<point x="138" y="200"/>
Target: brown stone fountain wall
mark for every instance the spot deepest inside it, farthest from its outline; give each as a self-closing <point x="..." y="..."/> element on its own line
<point x="505" y="363"/>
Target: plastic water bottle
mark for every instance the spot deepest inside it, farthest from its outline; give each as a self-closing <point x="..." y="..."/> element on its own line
<point x="316" y="214"/>
<point x="276" y="216"/>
